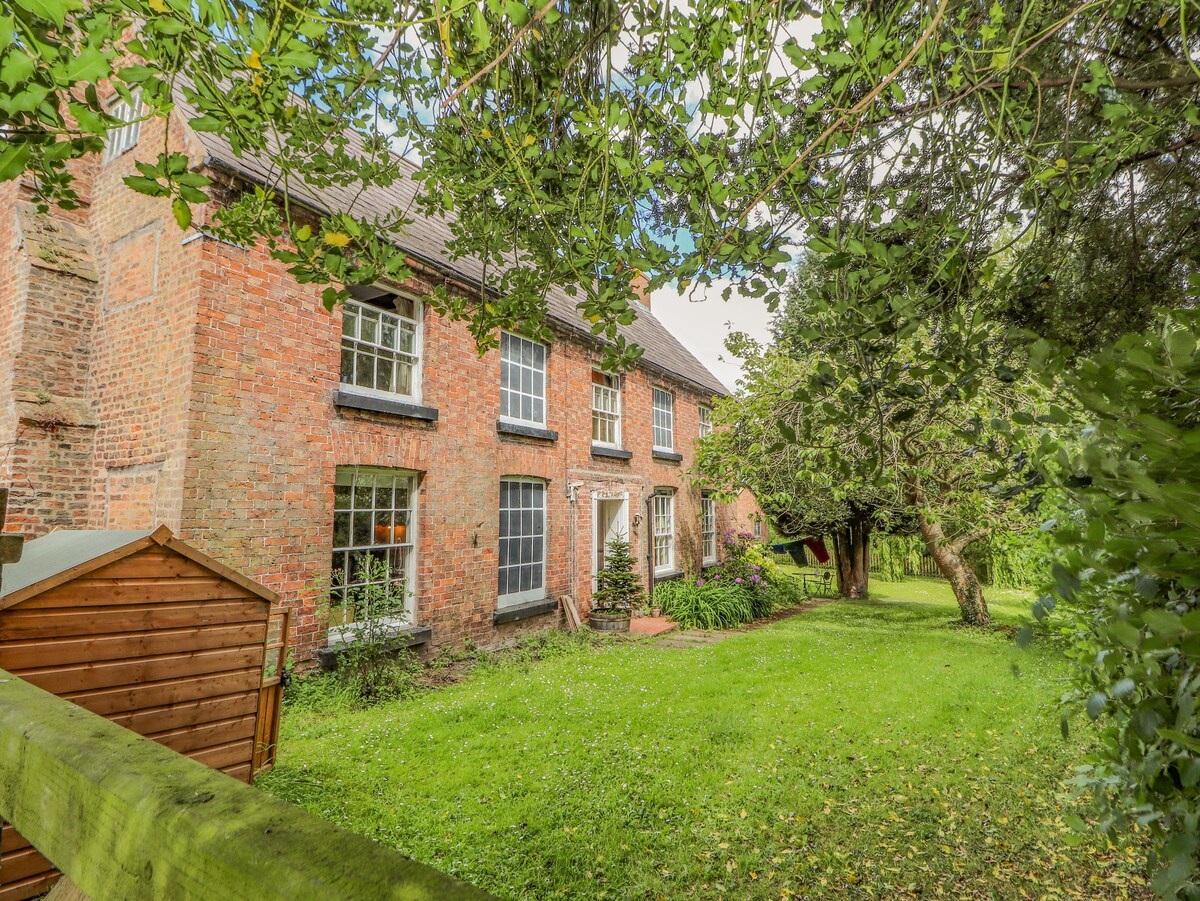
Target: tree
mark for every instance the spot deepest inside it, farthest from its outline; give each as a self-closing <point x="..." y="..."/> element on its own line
<point x="897" y="143"/>
<point x="880" y="417"/>
<point x="801" y="498"/>
<point x="618" y="586"/>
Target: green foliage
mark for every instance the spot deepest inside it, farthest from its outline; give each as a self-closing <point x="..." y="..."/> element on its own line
<point x="1129" y="576"/>
<point x="832" y="734"/>
<point x="747" y="585"/>
<point x="705" y="603"/>
<point x="893" y="557"/>
<point x="618" y="586"/>
<point x="373" y="663"/>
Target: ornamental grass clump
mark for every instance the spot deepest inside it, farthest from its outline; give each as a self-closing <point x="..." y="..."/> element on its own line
<point x="705" y="603"/>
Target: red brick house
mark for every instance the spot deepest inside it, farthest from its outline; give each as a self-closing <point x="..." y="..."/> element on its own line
<point x="153" y="375"/>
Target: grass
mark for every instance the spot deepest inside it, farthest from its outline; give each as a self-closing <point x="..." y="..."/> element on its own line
<point x="860" y="750"/>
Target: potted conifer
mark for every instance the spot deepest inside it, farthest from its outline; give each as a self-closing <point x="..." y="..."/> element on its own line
<point x="618" y="590"/>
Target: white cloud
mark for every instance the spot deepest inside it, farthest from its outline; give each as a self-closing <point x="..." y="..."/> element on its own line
<point x="702" y="320"/>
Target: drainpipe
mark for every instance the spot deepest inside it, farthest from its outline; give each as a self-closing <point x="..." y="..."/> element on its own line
<point x="650" y="545"/>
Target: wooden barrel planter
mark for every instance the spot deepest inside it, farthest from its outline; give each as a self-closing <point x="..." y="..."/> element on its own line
<point x="608" y="622"/>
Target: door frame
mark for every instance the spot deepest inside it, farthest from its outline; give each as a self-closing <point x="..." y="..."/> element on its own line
<point x="597" y="498"/>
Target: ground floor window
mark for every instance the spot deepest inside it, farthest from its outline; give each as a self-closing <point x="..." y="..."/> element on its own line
<point x="664" y="532"/>
<point x="374" y="539"/>
<point x="522" y="557"/>
<point x="708" y="529"/>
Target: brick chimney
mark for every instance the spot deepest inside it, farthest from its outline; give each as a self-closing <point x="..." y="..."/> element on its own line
<point x="640" y="285"/>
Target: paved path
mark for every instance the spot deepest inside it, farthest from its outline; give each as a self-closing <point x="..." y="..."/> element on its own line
<point x="650" y="625"/>
<point x="691" y="638"/>
<point x="698" y="638"/>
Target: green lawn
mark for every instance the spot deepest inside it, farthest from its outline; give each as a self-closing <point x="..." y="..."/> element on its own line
<point x="861" y="750"/>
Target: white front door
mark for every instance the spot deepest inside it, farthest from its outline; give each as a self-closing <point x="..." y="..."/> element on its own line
<point x="612" y="521"/>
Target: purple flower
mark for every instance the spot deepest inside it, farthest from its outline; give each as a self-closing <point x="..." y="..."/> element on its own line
<point x="717" y="577"/>
<point x="737" y="581"/>
<point x="755" y="579"/>
<point x="755" y="567"/>
<point x="699" y="582"/>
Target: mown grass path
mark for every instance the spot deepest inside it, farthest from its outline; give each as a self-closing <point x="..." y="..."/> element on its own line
<point x="871" y="750"/>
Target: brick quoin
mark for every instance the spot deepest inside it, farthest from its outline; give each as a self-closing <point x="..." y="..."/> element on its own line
<point x="154" y="375"/>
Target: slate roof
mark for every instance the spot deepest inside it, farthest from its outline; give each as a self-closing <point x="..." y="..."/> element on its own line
<point x="46" y="557"/>
<point x="425" y="239"/>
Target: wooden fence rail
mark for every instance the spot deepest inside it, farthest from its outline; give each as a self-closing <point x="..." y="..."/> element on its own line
<point x="125" y="817"/>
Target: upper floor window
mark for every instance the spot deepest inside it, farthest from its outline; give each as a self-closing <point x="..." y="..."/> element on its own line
<point x="708" y="529"/>
<point x="606" y="409"/>
<point x="757" y="526"/>
<point x="381" y="343"/>
<point x="374" y="535"/>
<point x="705" y="421"/>
<point x="124" y="137"/>
<point x="522" y="541"/>
<point x="522" y="380"/>
<point x="664" y="420"/>
<point x="664" y="532"/>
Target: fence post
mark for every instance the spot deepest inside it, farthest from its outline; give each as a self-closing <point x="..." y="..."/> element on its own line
<point x="126" y="818"/>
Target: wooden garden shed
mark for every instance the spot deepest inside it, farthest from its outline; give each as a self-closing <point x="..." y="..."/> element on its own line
<point x="146" y="631"/>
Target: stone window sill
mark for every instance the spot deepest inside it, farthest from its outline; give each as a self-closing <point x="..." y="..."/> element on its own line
<point x="407" y="636"/>
<point x="525" y="431"/>
<point x="668" y="456"/>
<point x="668" y="576"/>
<point x="354" y="401"/>
<point x="612" y="453"/>
<point x="524" y="611"/>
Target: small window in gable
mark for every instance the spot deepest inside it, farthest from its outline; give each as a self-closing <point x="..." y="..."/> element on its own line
<point x="124" y="137"/>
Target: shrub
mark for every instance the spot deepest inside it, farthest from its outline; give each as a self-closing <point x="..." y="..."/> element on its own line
<point x="1129" y="580"/>
<point x="749" y="565"/>
<point x="374" y="665"/>
<point x="705" y="603"/>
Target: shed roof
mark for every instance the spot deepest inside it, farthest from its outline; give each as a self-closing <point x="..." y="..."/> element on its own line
<point x="426" y="240"/>
<point x="70" y="553"/>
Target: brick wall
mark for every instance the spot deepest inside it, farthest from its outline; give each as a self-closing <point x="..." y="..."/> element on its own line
<point x="48" y="291"/>
<point x="195" y="382"/>
<point x="266" y="440"/>
<point x="144" y="332"/>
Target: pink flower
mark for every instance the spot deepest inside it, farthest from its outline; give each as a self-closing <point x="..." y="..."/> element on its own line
<point x="699" y="582"/>
<point x="737" y="581"/>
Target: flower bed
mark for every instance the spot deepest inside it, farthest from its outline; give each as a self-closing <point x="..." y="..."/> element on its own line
<point x="747" y="585"/>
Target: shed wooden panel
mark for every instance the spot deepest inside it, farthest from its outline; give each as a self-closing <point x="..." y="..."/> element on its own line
<point x="32" y="653"/>
<point x="19" y="623"/>
<point x="142" y="629"/>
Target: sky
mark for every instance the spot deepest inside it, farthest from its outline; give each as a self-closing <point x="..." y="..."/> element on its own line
<point x="701" y="320"/>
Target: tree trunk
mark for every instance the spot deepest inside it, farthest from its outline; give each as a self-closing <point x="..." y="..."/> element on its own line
<point x="852" y="553"/>
<point x="958" y="570"/>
